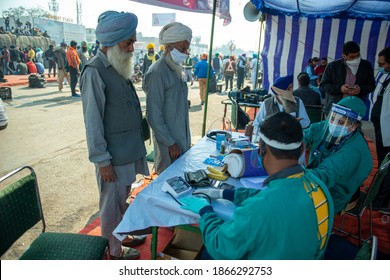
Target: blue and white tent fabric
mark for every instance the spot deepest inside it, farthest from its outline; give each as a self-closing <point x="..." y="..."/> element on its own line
<point x="301" y="29"/>
<point x="290" y="41"/>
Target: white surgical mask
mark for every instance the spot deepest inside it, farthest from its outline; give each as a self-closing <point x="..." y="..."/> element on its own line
<point x="178" y="57"/>
<point x="353" y="64"/>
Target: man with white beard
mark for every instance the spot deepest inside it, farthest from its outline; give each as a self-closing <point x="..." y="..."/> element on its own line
<point x="167" y="97"/>
<point x="112" y="117"/>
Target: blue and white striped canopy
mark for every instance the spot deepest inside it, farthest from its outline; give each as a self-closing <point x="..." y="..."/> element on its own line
<point x="296" y="30"/>
<point x="365" y="9"/>
<point x="290" y="41"/>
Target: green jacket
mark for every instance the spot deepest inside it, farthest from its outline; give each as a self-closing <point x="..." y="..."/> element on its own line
<point x="279" y="222"/>
<point x="343" y="170"/>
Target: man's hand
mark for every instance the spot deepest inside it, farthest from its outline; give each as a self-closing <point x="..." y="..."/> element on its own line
<point x="107" y="173"/>
<point x="355" y="90"/>
<point x="348" y="90"/>
<point x="174" y="151"/>
<point x="345" y="89"/>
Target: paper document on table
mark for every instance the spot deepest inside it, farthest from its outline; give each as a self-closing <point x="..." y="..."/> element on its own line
<point x="253" y="182"/>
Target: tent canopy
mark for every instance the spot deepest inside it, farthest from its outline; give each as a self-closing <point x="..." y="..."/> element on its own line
<point x="365" y="9"/>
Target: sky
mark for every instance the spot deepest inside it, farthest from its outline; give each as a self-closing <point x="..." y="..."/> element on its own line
<point x="244" y="34"/>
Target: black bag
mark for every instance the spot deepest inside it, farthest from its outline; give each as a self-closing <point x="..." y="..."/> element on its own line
<point x="5" y="93"/>
<point x="197" y="178"/>
<point x="246" y="95"/>
<point x="36" y="81"/>
<point x="242" y="118"/>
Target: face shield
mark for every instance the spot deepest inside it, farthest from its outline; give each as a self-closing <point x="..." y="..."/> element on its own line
<point x="340" y="123"/>
<point x="256" y="157"/>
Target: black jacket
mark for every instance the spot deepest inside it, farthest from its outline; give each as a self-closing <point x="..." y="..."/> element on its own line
<point x="334" y="77"/>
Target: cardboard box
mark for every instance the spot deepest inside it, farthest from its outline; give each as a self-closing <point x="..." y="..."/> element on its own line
<point x="184" y="245"/>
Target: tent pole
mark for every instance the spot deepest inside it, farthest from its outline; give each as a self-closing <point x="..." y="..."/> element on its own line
<point x="258" y="50"/>
<point x="208" y="70"/>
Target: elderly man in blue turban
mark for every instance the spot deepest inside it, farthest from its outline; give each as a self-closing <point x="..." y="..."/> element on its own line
<point x="113" y="117"/>
<point x="282" y="100"/>
<point x="167" y="97"/>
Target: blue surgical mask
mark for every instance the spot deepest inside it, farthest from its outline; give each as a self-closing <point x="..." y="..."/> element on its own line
<point x="258" y="158"/>
<point x="382" y="70"/>
<point x="178" y="57"/>
<point x="337" y="130"/>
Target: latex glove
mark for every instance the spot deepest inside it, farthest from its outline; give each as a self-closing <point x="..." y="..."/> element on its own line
<point x="212" y="193"/>
<point x="194" y="204"/>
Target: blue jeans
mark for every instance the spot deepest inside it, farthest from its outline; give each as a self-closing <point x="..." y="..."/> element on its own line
<point x="73" y="79"/>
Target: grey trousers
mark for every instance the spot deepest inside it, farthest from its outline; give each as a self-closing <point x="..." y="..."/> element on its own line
<point x="112" y="205"/>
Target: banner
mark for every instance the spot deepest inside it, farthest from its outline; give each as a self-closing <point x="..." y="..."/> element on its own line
<point x="163" y="19"/>
<point x="197" y="6"/>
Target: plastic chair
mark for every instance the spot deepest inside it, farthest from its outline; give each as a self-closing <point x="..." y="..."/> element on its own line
<point x="21" y="209"/>
<point x="368" y="250"/>
<point x="234" y="114"/>
<point x="314" y="112"/>
<point x="366" y="198"/>
<point x="340" y="248"/>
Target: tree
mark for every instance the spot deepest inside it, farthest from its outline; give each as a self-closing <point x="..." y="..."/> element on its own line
<point x="17" y="13"/>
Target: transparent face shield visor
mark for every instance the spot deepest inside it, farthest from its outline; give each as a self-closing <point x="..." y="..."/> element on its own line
<point x="256" y="158"/>
<point x="340" y="124"/>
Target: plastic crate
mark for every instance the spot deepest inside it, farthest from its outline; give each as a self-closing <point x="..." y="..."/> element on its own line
<point x="5" y="93"/>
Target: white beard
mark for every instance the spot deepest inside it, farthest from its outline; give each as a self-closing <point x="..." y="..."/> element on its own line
<point x="121" y="61"/>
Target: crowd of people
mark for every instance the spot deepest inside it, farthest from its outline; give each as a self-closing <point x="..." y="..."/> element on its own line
<point x="339" y="156"/>
<point x="284" y="131"/>
<point x="25" y="29"/>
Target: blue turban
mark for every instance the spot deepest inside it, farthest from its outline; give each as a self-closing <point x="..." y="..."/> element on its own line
<point x="114" y="27"/>
<point x="283" y="82"/>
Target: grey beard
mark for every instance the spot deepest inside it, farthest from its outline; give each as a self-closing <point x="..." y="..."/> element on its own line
<point x="177" y="67"/>
<point x="121" y="61"/>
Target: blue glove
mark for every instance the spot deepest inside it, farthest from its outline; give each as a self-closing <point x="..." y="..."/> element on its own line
<point x="194" y="204"/>
<point x="212" y="193"/>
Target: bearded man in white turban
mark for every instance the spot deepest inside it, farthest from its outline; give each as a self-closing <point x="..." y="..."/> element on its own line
<point x="167" y="97"/>
<point x="112" y="117"/>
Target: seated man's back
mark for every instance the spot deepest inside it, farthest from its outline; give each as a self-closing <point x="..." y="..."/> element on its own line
<point x="21" y="68"/>
<point x="40" y="67"/>
<point x="308" y="96"/>
<point x="32" y="69"/>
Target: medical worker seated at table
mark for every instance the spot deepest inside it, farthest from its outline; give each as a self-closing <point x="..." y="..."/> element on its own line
<point x="280" y="222"/>
<point x="339" y="154"/>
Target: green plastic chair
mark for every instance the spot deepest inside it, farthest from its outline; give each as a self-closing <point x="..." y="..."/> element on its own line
<point x="314" y="113"/>
<point x="21" y="209"/>
<point x="368" y="250"/>
<point x="366" y="198"/>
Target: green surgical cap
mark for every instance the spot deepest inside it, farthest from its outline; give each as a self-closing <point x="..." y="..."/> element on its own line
<point x="355" y="104"/>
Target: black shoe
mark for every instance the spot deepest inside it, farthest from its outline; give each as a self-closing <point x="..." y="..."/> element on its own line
<point x="134" y="240"/>
<point x="75" y="95"/>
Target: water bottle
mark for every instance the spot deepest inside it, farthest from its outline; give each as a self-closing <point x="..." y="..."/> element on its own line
<point x="249" y="131"/>
<point x="220" y="137"/>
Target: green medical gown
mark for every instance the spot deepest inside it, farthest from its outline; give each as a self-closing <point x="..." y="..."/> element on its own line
<point x="277" y="223"/>
<point x="344" y="170"/>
